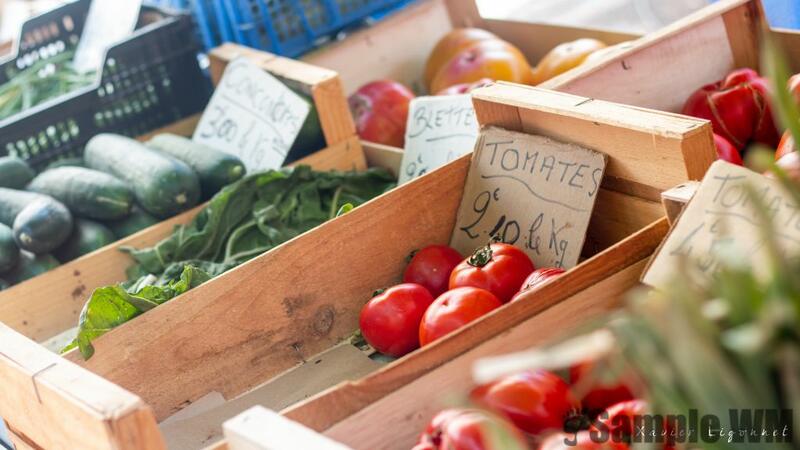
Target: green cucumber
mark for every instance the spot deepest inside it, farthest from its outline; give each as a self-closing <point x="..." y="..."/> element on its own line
<point x="310" y="138"/>
<point x="86" y="192"/>
<point x="137" y="220"/>
<point x="14" y="172"/>
<point x="73" y="161"/>
<point x="163" y="186"/>
<point x="40" y="223"/>
<point x="29" y="266"/>
<point x="215" y="168"/>
<point x="9" y="252"/>
<point x="87" y="236"/>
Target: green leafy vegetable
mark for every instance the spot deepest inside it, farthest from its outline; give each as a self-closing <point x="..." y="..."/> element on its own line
<point x="244" y="220"/>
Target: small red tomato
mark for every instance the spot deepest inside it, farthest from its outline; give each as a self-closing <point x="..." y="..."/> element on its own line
<point x="390" y="320"/>
<point x="599" y="395"/>
<point x="498" y="268"/>
<point x="537" y="278"/>
<point x="454" y="309"/>
<point x="726" y="151"/>
<point x="380" y="110"/>
<point x="738" y="107"/>
<point x="466" y="429"/>
<point x="785" y="146"/>
<point x="431" y="267"/>
<point x="581" y="440"/>
<point x="619" y="418"/>
<point x="534" y="401"/>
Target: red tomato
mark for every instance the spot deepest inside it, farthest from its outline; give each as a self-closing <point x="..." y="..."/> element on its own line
<point x="380" y="110"/>
<point x="390" y="320"/>
<point x="738" y="107"/>
<point x="498" y="268"/>
<point x="599" y="395"/>
<point x="786" y="145"/>
<point x="465" y="429"/>
<point x="581" y="440"/>
<point x="534" y="401"/>
<point x="454" y="309"/>
<point x="726" y="151"/>
<point x="431" y="268"/>
<point x="619" y="418"/>
<point x="537" y="278"/>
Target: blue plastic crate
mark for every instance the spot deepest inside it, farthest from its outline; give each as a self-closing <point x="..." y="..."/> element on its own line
<point x="292" y="27"/>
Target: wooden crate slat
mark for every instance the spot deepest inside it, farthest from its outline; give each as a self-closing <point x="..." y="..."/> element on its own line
<point x="59" y="405"/>
<point x="649" y="151"/>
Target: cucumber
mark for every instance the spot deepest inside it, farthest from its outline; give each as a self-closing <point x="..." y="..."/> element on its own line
<point x="215" y="169"/>
<point x="86" y="192"/>
<point x="136" y="221"/>
<point x="163" y="186"/>
<point x="87" y="236"/>
<point x="39" y="222"/>
<point x="9" y="252"/>
<point x="310" y="138"/>
<point x="14" y="172"/>
<point x="29" y="266"/>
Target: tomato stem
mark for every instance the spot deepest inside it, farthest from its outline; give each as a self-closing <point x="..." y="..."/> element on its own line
<point x="481" y="257"/>
<point x="378" y="292"/>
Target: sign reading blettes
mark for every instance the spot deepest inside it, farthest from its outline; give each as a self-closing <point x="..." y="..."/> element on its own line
<point x="253" y="116"/>
<point x="529" y="191"/>
<point x="721" y="217"/>
<point x="439" y="130"/>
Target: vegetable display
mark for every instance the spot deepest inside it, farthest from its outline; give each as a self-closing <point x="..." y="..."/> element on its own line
<point x="242" y="221"/>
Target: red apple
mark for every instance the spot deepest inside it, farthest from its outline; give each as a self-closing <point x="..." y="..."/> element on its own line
<point x="380" y="110"/>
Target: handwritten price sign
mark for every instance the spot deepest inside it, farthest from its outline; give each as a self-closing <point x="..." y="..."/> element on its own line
<point x="720" y="217"/>
<point x="439" y="130"/>
<point x="253" y="116"/>
<point x="532" y="192"/>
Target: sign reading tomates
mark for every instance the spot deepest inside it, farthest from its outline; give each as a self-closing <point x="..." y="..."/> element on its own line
<point x="721" y="217"/>
<point x="529" y="191"/>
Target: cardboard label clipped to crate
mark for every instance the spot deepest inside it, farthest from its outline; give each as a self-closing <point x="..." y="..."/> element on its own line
<point x="721" y="218"/>
<point x="532" y="192"/>
<point x="253" y="116"/>
<point x="439" y="130"/>
<point x="108" y="22"/>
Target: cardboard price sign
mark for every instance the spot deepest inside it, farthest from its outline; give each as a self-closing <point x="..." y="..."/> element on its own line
<point x="532" y="192"/>
<point x="439" y="130"/>
<point x="721" y="215"/>
<point x="253" y="116"/>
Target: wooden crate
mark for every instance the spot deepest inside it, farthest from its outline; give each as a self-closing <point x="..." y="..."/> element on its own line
<point x="398" y="46"/>
<point x="661" y="70"/>
<point x="280" y="310"/>
<point x="44" y="306"/>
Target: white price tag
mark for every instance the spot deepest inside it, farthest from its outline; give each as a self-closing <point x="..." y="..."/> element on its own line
<point x="439" y="130"/>
<point x="108" y="22"/>
<point x="253" y="116"/>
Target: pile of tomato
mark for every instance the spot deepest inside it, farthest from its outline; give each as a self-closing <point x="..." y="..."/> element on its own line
<point x="539" y="410"/>
<point x="442" y="291"/>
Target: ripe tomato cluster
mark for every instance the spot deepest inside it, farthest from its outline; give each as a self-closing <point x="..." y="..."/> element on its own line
<point x="442" y="291"/>
<point x="539" y="410"/>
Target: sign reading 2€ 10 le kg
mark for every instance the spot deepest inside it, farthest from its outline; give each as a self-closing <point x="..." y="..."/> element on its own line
<point x="253" y="116"/>
<point x="532" y="192"/>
